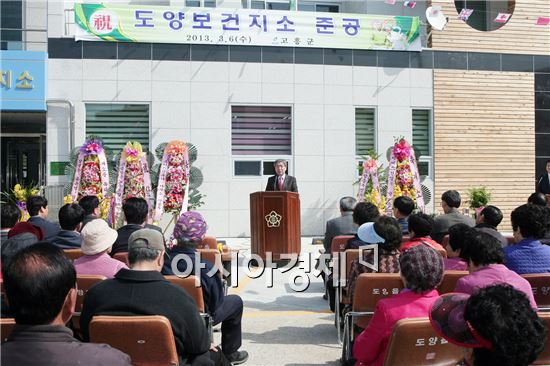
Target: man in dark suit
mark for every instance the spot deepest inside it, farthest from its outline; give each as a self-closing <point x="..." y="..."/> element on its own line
<point x="38" y="209"/>
<point x="281" y="181"/>
<point x="543" y="183"/>
<point x="450" y="202"/>
<point x="342" y="225"/>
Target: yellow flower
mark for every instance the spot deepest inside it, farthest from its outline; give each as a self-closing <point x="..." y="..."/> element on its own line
<point x="67" y="199"/>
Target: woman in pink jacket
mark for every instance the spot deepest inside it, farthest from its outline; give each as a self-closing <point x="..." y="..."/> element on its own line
<point x="421" y="272"/>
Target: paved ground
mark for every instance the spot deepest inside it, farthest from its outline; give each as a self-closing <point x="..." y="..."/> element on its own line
<point x="281" y="326"/>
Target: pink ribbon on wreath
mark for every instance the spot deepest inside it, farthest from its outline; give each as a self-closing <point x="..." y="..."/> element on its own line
<point x="416" y="181"/>
<point x="119" y="188"/>
<point x="77" y="177"/>
<point x="159" y="208"/>
<point x="104" y="171"/>
<point x="391" y="184"/>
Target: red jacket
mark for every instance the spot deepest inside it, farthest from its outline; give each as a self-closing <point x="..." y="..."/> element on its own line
<point x="370" y="346"/>
<point x="417" y="241"/>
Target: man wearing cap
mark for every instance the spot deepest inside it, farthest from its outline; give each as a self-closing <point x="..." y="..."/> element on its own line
<point x="98" y="239"/>
<point x="143" y="290"/>
<point x="228" y="310"/>
<point x="421" y="272"/>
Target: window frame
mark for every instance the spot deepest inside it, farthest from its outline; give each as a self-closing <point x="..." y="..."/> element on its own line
<point x="263" y="158"/>
<point x="430" y="158"/>
<point x="358" y="158"/>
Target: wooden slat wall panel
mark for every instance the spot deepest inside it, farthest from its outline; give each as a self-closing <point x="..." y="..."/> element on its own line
<point x="484" y="135"/>
<point x="520" y="35"/>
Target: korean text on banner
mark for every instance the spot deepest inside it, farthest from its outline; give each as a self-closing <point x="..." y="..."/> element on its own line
<point x="159" y="24"/>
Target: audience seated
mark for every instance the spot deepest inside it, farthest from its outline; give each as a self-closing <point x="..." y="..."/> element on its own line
<point x="70" y="219"/>
<point x="403" y="206"/>
<point x="342" y="225"/>
<point x="457" y="237"/>
<point x="422" y="272"/>
<point x="38" y="209"/>
<point x="495" y="326"/>
<point x="90" y="205"/>
<point x="362" y="213"/>
<point x="488" y="220"/>
<point x="384" y="232"/>
<point x="98" y="239"/>
<point x="420" y="227"/>
<point x="528" y="255"/>
<point x="10" y="215"/>
<point x="143" y="290"/>
<point x="539" y="199"/>
<point x="450" y="202"/>
<point x="26" y="227"/>
<point x="189" y="231"/>
<point x="40" y="284"/>
<point x="485" y="256"/>
<point x="135" y="214"/>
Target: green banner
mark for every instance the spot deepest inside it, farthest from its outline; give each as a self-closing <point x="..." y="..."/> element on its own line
<point x="159" y="24"/>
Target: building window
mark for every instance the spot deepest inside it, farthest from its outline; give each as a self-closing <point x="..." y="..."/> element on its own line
<point x="365" y="132"/>
<point x="422" y="140"/>
<point x="200" y="3"/>
<point x="261" y="4"/>
<point x="11" y="25"/>
<point x="485" y="13"/>
<point x="117" y="124"/>
<point x="320" y="8"/>
<point x="259" y="136"/>
<point x="542" y="122"/>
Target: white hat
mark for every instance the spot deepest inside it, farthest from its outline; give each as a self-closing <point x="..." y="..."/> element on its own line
<point x="97" y="236"/>
<point x="367" y="234"/>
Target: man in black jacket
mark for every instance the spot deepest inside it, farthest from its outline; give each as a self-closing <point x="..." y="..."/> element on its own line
<point x="143" y="290"/>
<point x="38" y="209"/>
<point x="40" y="284"/>
<point x="281" y="181"/>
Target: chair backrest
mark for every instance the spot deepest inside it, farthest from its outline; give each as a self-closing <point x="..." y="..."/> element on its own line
<point x="213" y="256"/>
<point x="349" y="256"/>
<point x="540" y="284"/>
<point x="450" y="279"/>
<point x="208" y="242"/>
<point x="544" y="356"/>
<point x="415" y="342"/>
<point x="6" y="327"/>
<point x="338" y="243"/>
<point x="371" y="287"/>
<point x="73" y="254"/>
<point x="189" y="284"/>
<point x="83" y="284"/>
<point x="121" y="256"/>
<point x="148" y="340"/>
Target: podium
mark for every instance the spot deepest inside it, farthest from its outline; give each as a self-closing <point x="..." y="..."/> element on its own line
<point x="275" y="224"/>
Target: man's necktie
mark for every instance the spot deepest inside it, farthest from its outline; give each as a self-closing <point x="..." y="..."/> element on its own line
<point x="280" y="183"/>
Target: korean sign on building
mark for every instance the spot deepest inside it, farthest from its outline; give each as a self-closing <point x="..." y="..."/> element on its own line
<point x="22" y="80"/>
<point x="156" y="24"/>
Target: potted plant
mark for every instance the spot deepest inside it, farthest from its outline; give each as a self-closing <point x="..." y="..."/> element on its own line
<point x="479" y="198"/>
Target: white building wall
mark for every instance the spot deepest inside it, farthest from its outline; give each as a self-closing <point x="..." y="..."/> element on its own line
<point x="192" y="101"/>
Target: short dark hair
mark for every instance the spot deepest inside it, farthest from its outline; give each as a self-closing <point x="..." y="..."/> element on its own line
<point x="421" y="224"/>
<point x="530" y="219"/>
<point x="37" y="281"/>
<point x="35" y="203"/>
<point x="135" y="210"/>
<point x="70" y="215"/>
<point x="136" y="255"/>
<point x="538" y="198"/>
<point x="451" y="198"/>
<point x="365" y="212"/>
<point x="492" y="215"/>
<point x="457" y="235"/>
<point x="404" y="204"/>
<point x="347" y="203"/>
<point x="89" y="204"/>
<point x="503" y="316"/>
<point x="482" y="249"/>
<point x="10" y="215"/>
<point x="13" y="245"/>
<point x="389" y="229"/>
